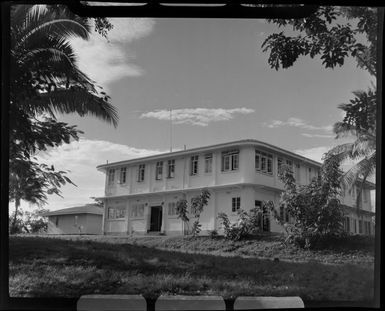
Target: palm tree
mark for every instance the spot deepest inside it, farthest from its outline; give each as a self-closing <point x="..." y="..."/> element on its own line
<point x="44" y="81"/>
<point x="360" y="124"/>
<point x="44" y="74"/>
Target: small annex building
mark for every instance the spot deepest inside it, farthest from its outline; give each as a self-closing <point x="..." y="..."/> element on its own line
<point x="85" y="219"/>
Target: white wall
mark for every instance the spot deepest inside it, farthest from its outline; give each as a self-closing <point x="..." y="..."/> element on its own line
<point x="68" y="224"/>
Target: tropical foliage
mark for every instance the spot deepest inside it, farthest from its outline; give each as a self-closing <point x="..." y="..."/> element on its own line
<point x="45" y="81"/>
<point x="334" y="34"/>
<point x="315" y="208"/>
<point x="197" y="205"/>
<point x="247" y="224"/>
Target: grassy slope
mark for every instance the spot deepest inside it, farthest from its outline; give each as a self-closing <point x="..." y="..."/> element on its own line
<point x="70" y="268"/>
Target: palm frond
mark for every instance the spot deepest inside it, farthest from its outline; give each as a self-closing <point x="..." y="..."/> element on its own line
<point x="342" y="129"/>
<point x="365" y="167"/>
<point x="78" y="101"/>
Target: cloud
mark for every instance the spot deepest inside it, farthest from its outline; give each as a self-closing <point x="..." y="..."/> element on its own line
<point x="81" y="158"/>
<point x="197" y="116"/>
<point x="313" y="153"/>
<point x="317" y="135"/>
<point x="105" y="61"/>
<point x="299" y="123"/>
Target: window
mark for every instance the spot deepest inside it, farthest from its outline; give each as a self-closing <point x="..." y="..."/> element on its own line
<point x="137" y="210"/>
<point x="297" y="172"/>
<point x="159" y="170"/>
<point x="171" y="209"/>
<point x="310" y="178"/>
<point x="116" y="212"/>
<point x="289" y="163"/>
<point x="111" y="213"/>
<point x="208" y="163"/>
<point x="141" y="172"/>
<point x="365" y="195"/>
<point x="111" y="176"/>
<point x="369" y="233"/>
<point x="347" y="224"/>
<point x="123" y="175"/>
<point x="194" y="165"/>
<point x="355" y="225"/>
<point x="264" y="162"/>
<point x="76" y="219"/>
<point x="235" y="204"/>
<point x="230" y="160"/>
<point x="352" y="192"/>
<point x="57" y="221"/>
<point x="171" y="169"/>
<point x="279" y="165"/>
<point x="360" y="226"/>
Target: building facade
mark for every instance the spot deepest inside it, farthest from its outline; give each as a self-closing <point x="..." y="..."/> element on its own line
<point x="141" y="194"/>
<point x="85" y="219"/>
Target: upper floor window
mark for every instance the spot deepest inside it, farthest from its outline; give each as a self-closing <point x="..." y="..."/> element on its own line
<point x="230" y="160"/>
<point x="235" y="204"/>
<point x="264" y="162"/>
<point x="172" y="209"/>
<point x="208" y="163"/>
<point x="111" y="176"/>
<point x="194" y="165"/>
<point x="171" y="169"/>
<point x="123" y="175"/>
<point x="141" y="169"/>
<point x="159" y="170"/>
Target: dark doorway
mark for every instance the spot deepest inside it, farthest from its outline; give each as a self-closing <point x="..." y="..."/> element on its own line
<point x="156" y="218"/>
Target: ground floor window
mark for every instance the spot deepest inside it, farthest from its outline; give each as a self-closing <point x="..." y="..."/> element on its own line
<point x="116" y="212"/>
<point x="360" y="226"/>
<point x="367" y="227"/>
<point x="137" y="210"/>
<point x="235" y="204"/>
<point x="172" y="209"/>
<point x="347" y="224"/>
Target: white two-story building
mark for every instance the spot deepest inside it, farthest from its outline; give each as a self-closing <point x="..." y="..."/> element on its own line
<point x="141" y="194"/>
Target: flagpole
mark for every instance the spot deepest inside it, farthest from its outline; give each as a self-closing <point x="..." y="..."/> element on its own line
<point x="170" y="129"/>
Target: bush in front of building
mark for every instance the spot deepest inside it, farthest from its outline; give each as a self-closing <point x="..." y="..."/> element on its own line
<point x="315" y="208"/>
<point x="197" y="205"/>
<point x="248" y="224"/>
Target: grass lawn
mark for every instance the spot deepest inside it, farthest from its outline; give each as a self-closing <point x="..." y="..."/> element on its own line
<point x="70" y="267"/>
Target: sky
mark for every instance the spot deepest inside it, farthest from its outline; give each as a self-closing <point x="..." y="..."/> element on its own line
<point x="216" y="79"/>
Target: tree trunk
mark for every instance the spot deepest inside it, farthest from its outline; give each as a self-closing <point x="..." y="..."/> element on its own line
<point x="13" y="224"/>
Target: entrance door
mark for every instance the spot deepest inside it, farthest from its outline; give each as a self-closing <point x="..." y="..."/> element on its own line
<point x="156" y="218"/>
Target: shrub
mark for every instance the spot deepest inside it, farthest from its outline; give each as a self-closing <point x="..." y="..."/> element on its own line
<point x="197" y="205"/>
<point x="315" y="208"/>
<point x="248" y="224"/>
<point x="213" y="234"/>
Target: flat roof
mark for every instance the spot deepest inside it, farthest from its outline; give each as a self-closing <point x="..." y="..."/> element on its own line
<point x="244" y="142"/>
<point x="83" y="209"/>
